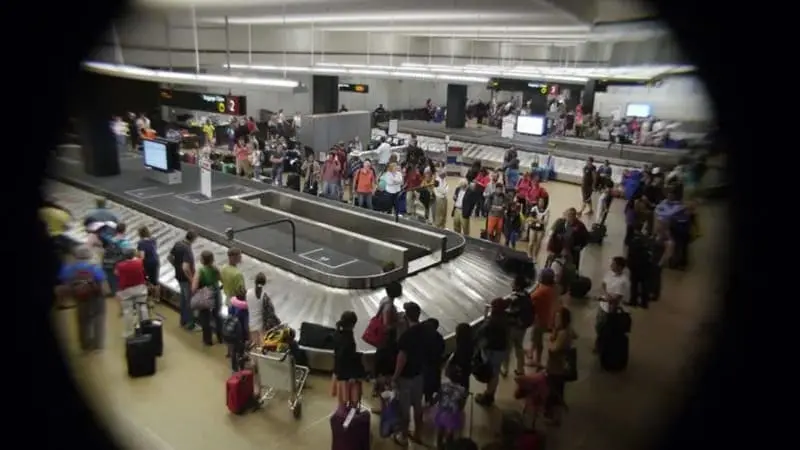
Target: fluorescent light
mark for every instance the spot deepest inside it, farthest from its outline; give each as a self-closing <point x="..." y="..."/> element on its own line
<point x="399" y="17"/>
<point x="474" y="73"/>
<point x="185" y="78"/>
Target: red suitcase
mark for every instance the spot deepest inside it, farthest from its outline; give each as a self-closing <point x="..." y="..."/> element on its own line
<point x="240" y="394"/>
<point x="354" y="435"/>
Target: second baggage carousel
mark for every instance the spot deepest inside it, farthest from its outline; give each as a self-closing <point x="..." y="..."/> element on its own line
<point x="454" y="290"/>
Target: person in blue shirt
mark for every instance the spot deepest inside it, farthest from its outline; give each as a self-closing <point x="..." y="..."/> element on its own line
<point x="81" y="278"/>
<point x="100" y="214"/>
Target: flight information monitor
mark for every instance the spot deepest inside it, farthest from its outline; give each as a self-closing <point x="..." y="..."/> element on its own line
<point x="156" y="155"/>
<point x="531" y="125"/>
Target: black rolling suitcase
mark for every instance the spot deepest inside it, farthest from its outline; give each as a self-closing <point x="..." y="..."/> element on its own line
<point x="515" y="262"/>
<point x="316" y="336"/>
<point x="153" y="328"/>
<point x="597" y="233"/>
<point x="580" y="287"/>
<point x="140" y="356"/>
<point x="613" y="352"/>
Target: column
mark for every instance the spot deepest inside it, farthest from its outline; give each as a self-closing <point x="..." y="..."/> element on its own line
<point x="99" y="147"/>
<point x="325" y="94"/>
<point x="587" y="97"/>
<point x="456" y="106"/>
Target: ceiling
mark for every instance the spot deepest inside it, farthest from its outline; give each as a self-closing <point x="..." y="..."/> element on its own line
<point x="538" y="34"/>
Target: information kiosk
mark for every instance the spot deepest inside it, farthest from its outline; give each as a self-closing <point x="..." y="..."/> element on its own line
<point x="162" y="158"/>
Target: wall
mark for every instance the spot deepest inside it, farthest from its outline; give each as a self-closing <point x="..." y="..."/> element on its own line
<point x="403" y="94"/>
<point x="677" y="98"/>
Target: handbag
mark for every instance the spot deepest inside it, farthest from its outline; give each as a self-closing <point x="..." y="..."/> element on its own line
<point x="571" y="364"/>
<point x="202" y="299"/>
<point x="375" y="333"/>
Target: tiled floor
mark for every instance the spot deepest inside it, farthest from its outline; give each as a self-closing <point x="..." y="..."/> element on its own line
<point x="182" y="406"/>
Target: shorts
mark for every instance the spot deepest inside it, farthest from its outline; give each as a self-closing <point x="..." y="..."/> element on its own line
<point x="151" y="273"/>
<point x="586" y="194"/>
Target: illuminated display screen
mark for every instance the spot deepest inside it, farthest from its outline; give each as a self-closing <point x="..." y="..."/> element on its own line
<point x="357" y="88"/>
<point x="234" y="105"/>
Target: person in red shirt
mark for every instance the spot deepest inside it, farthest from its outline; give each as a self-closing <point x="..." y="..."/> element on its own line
<point x="251" y="125"/>
<point x="132" y="289"/>
<point x="413" y="181"/>
<point x="524" y="187"/>
<point x="243" y="166"/>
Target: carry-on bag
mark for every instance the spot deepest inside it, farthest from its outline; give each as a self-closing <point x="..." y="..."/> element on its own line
<point x="580" y="287"/>
<point x="597" y="233"/>
<point x="613" y="351"/>
<point x="240" y="392"/>
<point x="313" y="335"/>
<point x="140" y="356"/>
<point x="516" y="263"/>
<point x="350" y="429"/>
<point x="153" y="328"/>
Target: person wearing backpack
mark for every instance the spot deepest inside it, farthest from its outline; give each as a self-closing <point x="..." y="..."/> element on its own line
<point x="234" y="329"/>
<point x="208" y="276"/>
<point x="520" y="318"/>
<point x="114" y="247"/>
<point x="85" y="282"/>
<point x="262" y="316"/>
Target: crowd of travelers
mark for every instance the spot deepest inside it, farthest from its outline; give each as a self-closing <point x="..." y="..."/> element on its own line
<point x="528" y="332"/>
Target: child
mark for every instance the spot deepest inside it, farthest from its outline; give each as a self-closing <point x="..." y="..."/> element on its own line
<point x="512" y="224"/>
<point x="348" y="369"/>
<point x="235" y="329"/>
<point x="449" y="417"/>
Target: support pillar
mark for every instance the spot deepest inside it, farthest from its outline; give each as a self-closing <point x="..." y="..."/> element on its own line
<point x="587" y="97"/>
<point x="456" y="106"/>
<point x="325" y="94"/>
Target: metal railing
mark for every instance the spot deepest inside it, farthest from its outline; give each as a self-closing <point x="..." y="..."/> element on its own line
<point x="230" y="233"/>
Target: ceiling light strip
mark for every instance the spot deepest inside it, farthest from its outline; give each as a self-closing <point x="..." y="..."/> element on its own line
<point x="140" y="73"/>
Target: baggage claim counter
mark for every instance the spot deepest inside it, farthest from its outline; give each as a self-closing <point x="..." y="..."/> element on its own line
<point x="321" y="257"/>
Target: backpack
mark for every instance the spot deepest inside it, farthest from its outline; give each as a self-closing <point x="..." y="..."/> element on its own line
<point x="232" y="331"/>
<point x="521" y="309"/>
<point x="270" y="319"/>
<point x="84" y="285"/>
<point x="112" y="253"/>
<point x="568" y="273"/>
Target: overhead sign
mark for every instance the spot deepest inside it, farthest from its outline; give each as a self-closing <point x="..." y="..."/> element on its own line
<point x="234" y="105"/>
<point x="357" y="88"/>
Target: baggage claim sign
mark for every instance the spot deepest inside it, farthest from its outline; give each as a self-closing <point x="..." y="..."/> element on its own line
<point x="214" y="103"/>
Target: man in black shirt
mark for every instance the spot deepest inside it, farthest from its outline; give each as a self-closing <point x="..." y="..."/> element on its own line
<point x="182" y="259"/>
<point x="411" y="359"/>
<point x="588" y="182"/>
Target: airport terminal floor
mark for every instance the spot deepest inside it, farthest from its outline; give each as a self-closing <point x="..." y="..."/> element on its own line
<point x="182" y="407"/>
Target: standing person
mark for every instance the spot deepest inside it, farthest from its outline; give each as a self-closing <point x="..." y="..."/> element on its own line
<point x="662" y="250"/>
<point x="364" y="182"/>
<point x="276" y="159"/>
<point x="521" y="316"/>
<point x="537" y="220"/>
<point x="132" y="293"/>
<point x="181" y="257"/>
<point x="393" y="181"/>
<point x="408" y="374"/>
<point x="208" y="276"/>
<point x="494" y="334"/>
<point x="113" y="252"/>
<point x="432" y="370"/>
<point x="440" y="189"/>
<point x="348" y="370"/>
<point x="242" y="153"/>
<point x="331" y="177"/>
<point x="459" y="366"/>
<point x="588" y="182"/>
<point x="545" y="300"/>
<point x="85" y="282"/>
<point x="558" y="346"/>
<point x="413" y="181"/>
<point x="616" y="288"/>
<point x="461" y="218"/>
<point x="101" y="213"/>
<point x="231" y="276"/>
<point x="262" y="315"/>
<point x="148" y="252"/>
<point x="384" y="152"/>
<point x="572" y="233"/>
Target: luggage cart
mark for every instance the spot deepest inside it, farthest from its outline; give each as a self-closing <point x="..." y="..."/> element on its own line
<point x="277" y="373"/>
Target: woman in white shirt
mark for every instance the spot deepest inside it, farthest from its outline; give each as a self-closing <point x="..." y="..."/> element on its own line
<point x="537" y="221"/>
<point x="262" y="314"/>
<point x="393" y="180"/>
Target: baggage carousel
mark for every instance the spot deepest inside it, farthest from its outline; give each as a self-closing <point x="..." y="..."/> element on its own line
<point x="567" y="148"/>
<point x="452" y="286"/>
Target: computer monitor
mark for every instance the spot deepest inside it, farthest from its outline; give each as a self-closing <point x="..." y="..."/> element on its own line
<point x="162" y="155"/>
<point x="534" y="125"/>
<point x="638" y="110"/>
